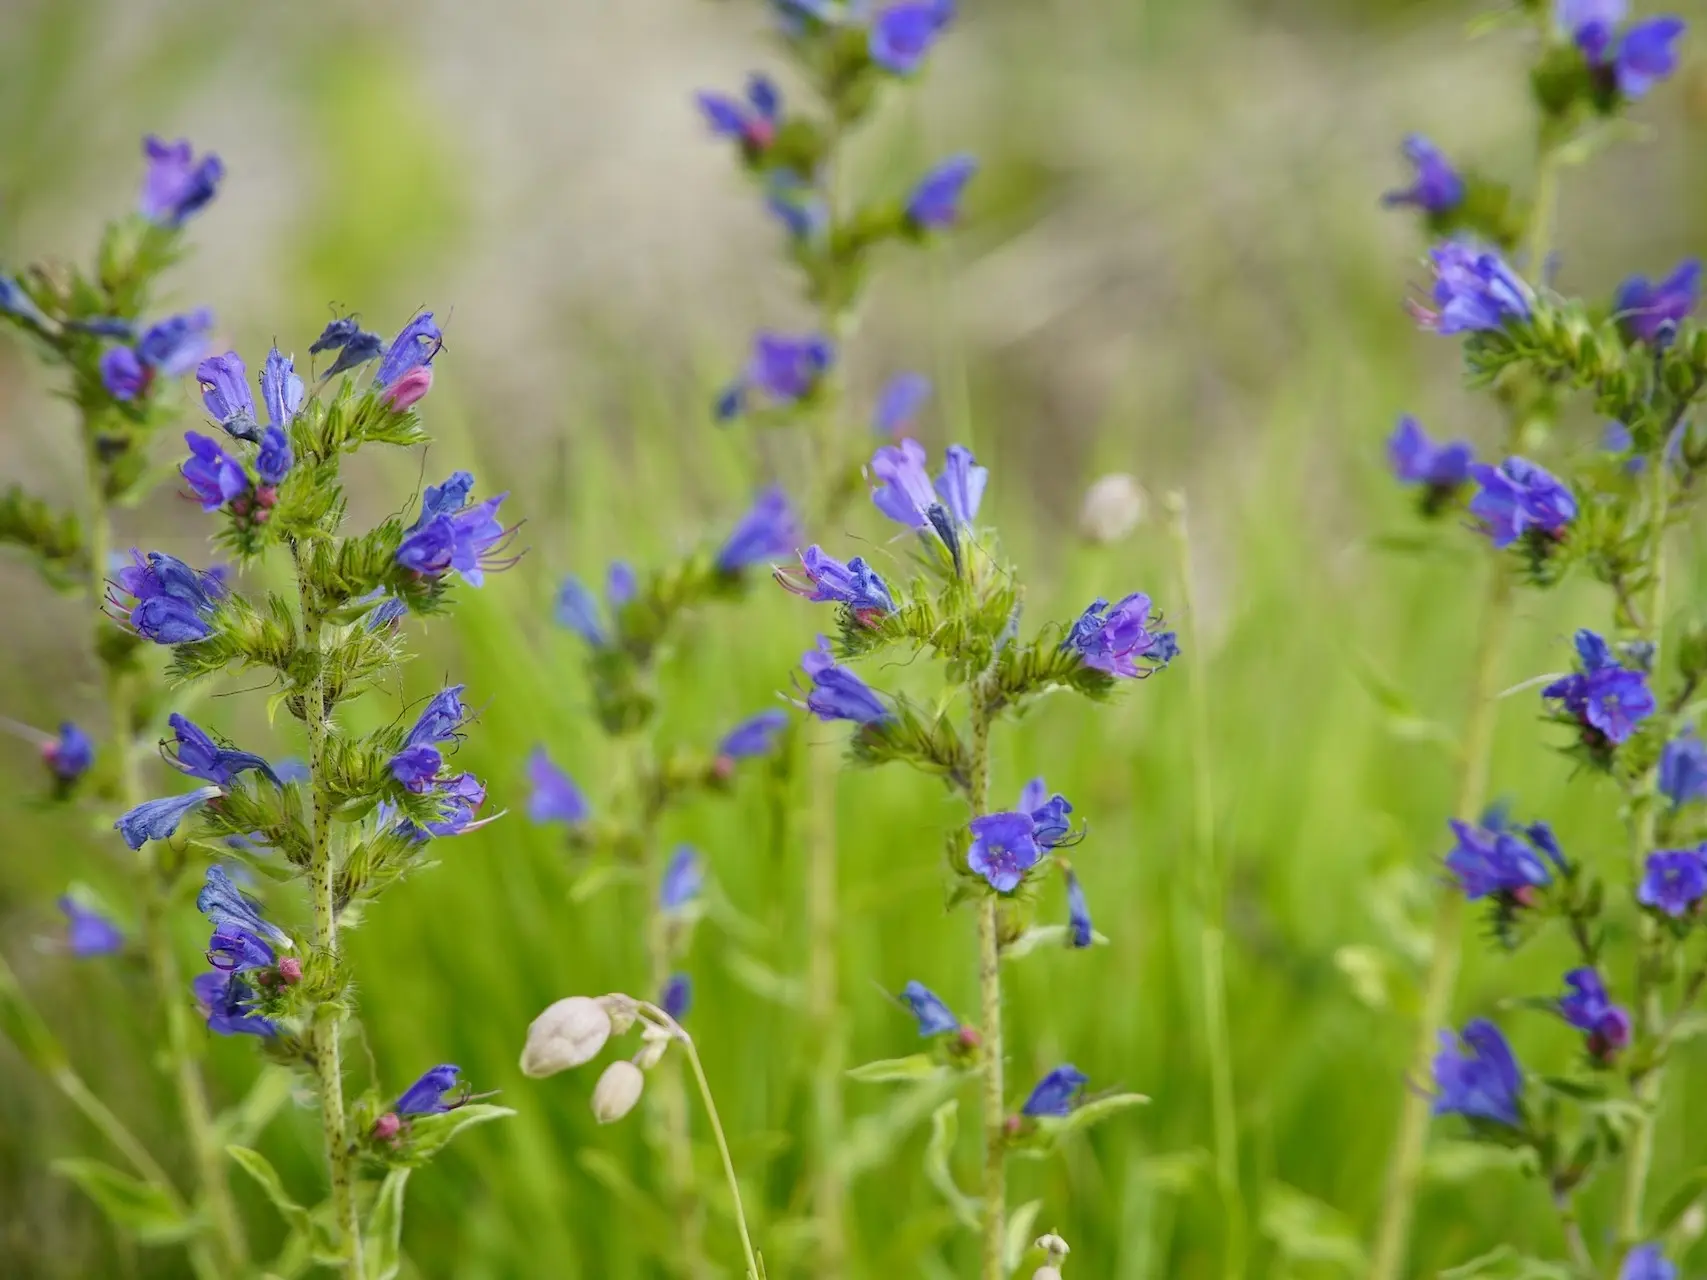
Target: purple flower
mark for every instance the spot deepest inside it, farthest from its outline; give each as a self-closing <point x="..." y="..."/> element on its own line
<point x="1674" y="882"/>
<point x="1114" y="640"/>
<point x="281" y="389"/>
<point x="1651" y="312"/>
<point x="449" y="534"/>
<point x="620" y="585"/>
<point x="337" y="334"/>
<point x="905" y="494"/>
<point x="1418" y="460"/>
<point x="417" y="768"/>
<point x="159" y="819"/>
<point x="1483" y="1083"/>
<point x="176" y="185"/>
<point x="1500" y="862"/>
<point x="173" y="601"/>
<point x="426" y="1096"/>
<point x="578" y="609"/>
<point x="961" y="484"/>
<point x="226" y="1000"/>
<point x="767" y="531"/>
<point x="902" y="34"/>
<point x="837" y="693"/>
<point x="1004" y="848"/>
<point x="176" y="344"/>
<point x="1646" y="55"/>
<point x="1437" y="189"/>
<point x="68" y="756"/>
<point x="1588" y="1008"/>
<point x="1474" y="291"/>
<point x="459" y="800"/>
<point x="935" y="201"/>
<point x="801" y="207"/>
<point x="935" y="1017"/>
<point x="1646" y="1262"/>
<point x="190" y="750"/>
<point x="225" y="391"/>
<point x="899" y="403"/>
<point x="683" y="878"/>
<point x="1517" y="497"/>
<point x="754" y="736"/>
<point x="418" y="761"/>
<point x="754" y="122"/>
<point x="1605" y="698"/>
<point x="555" y="797"/>
<point x="15" y="302"/>
<point x="1078" y="913"/>
<point x="229" y="909"/>
<point x="355" y="346"/>
<point x="677" y="996"/>
<point x="1057" y="1093"/>
<point x="274" y="461"/>
<point x="1683" y="769"/>
<point x="781" y="371"/>
<point x="412" y="349"/>
<point x="122" y="374"/>
<point x="823" y="579"/>
<point x="88" y="933"/>
<point x="214" y="476"/>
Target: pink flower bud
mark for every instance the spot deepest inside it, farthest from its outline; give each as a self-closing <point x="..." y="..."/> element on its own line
<point x="386" y="1127"/>
<point x="290" y="970"/>
<point x="410" y="388"/>
<point x="723" y="768"/>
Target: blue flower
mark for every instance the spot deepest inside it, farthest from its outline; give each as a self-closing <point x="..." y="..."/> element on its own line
<point x="173" y="601"/>
<point x="935" y="1017"/>
<point x="214" y="476"/>
<point x="1418" y="460"/>
<point x="225" y="391"/>
<point x="824" y="580"/>
<point x="1647" y="1262"/>
<point x="1501" y="862"/>
<point x="902" y="34"/>
<point x="905" y="494"/>
<point x="444" y="499"/>
<point x="1474" y="291"/>
<point x="415" y="347"/>
<point x="1115" y="640"/>
<point x="14" y="301"/>
<point x="837" y="693"/>
<point x="935" y="200"/>
<point x="159" y="819"/>
<point x="274" y="461"/>
<point x="578" y="609"/>
<point x="1683" y="769"/>
<point x="683" y="878"/>
<point x="1650" y="313"/>
<point x="459" y="799"/>
<point x="767" y="531"/>
<point x="387" y="612"/>
<point x="226" y="1000"/>
<point x="68" y="756"/>
<point x="754" y="736"/>
<point x="1008" y="844"/>
<point x="555" y="797"/>
<point x="961" y="484"/>
<point x="355" y="346"/>
<point x="754" y="122"/>
<point x="1078" y="913"/>
<point x="452" y="535"/>
<point x="230" y="910"/>
<point x="677" y="996"/>
<point x="88" y="933"/>
<point x="1633" y="61"/>
<point x="190" y="750"/>
<point x="336" y="335"/>
<point x="1588" y="1008"/>
<point x="1057" y="1093"/>
<point x="176" y="185"/>
<point x="1437" y="189"/>
<point x="281" y="389"/>
<point x="781" y="371"/>
<point x="1518" y="497"/>
<point x="426" y="1096"/>
<point x="122" y="374"/>
<point x="175" y="345"/>
<point x="1605" y="698"/>
<point x="1674" y="882"/>
<point x="620" y="585"/>
<point x="418" y="761"/>
<point x="1483" y="1083"/>
<point x="899" y="402"/>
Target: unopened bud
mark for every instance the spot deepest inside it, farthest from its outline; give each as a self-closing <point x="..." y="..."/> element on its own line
<point x="1113" y="507"/>
<point x="386" y="1127"/>
<point x="407" y="390"/>
<point x="1046" y="1273"/>
<point x="653" y="1041"/>
<point x="621" y="1010"/>
<point x="1053" y="1246"/>
<point x="617" y="1091"/>
<point x="290" y="970"/>
<point x="568" y="1033"/>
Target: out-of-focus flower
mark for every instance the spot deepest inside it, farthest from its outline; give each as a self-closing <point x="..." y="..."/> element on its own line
<point x="1474" y="290"/>
<point x="176" y="185"/>
<point x="934" y="1017"/>
<point x="555" y="797"/>
<point x="1437" y="188"/>
<point x="1674" y="881"/>
<point x="88" y="933"/>
<point x="1604" y="697"/>
<point x="1518" y="497"/>
<point x="1650" y="312"/>
<point x="1057" y="1093"/>
<point x="1478" y="1078"/>
<point x="767" y="531"/>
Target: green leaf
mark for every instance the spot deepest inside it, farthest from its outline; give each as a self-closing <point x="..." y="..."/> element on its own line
<point x="258" y="1167"/>
<point x="1045" y="935"/>
<point x="921" y="1066"/>
<point x="1018" y="1238"/>
<point x="945" y="1128"/>
<point x="1092" y="1113"/>
<point x="381" y="1251"/>
<point x="598" y="877"/>
<point x="272" y="1089"/>
<point x="871" y="1141"/>
<point x="146" y="1210"/>
<point x="429" y="1134"/>
<point x="1506" y="1263"/>
<point x="23" y="1026"/>
<point x="1691" y="1189"/>
<point x="1581" y="1090"/>
<point x="763" y="981"/>
<point x="1306" y="1230"/>
<point x="1454" y="1162"/>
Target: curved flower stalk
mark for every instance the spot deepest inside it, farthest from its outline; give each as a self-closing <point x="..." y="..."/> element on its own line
<point x="963" y="607"/>
<point x="368" y="809"/>
<point x="1623" y="710"/>
<point x="120" y="360"/>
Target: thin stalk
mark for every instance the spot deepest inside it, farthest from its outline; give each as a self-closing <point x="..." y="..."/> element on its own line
<point x="329" y="1018"/>
<point x="994" y="1205"/>
<point x="1213" y="908"/>
<point x="1570" y="1223"/>
<point x="228" y="1248"/>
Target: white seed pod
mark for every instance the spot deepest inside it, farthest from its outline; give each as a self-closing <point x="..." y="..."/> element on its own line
<point x="1113" y="507"/>
<point x="617" y="1091"/>
<point x="622" y="1010"/>
<point x="653" y="1041"/>
<point x="568" y="1033"/>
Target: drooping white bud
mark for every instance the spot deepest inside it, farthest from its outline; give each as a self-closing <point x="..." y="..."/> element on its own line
<point x="1113" y="507"/>
<point x="568" y="1033"/>
<point x="1046" y="1273"/>
<point x="617" y="1091"/>
<point x="1054" y="1246"/>
<point x="653" y="1041"/>
<point x="622" y="1010"/>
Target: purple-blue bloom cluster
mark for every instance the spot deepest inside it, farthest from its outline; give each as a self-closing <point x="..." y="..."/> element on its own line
<point x="1589" y="1008"/>
<point x="555" y="797"/>
<point x="1633" y="60"/>
<point x="1605" y="698"/>
<point x="781" y="371"/>
<point x="190" y="750"/>
<point x="1115" y="640"/>
<point x="227" y="1002"/>
<point x="243" y="939"/>
<point x="450" y="534"/>
<point x="1518" y="498"/>
<point x="1502" y="861"/>
<point x="825" y="580"/>
<point x="1474" y="291"/>
<point x="1647" y="1262"/>
<point x="767" y="531"/>
<point x="69" y="756"/>
<point x="903" y="34"/>
<point x="906" y="493"/>
<point x="1006" y="845"/>
<point x="1416" y="459"/>
<point x="173" y="602"/>
<point x="1480" y="1078"/>
<point x="1674" y="881"/>
<point x="418" y="762"/>
<point x="1650" y="312"/>
<point x="1437" y="188"/>
<point x="426" y="1096"/>
<point x="88" y="933"/>
<point x="837" y="693"/>
<point x="177" y="185"/>
<point x="1683" y="769"/>
<point x="159" y="819"/>
<point x="214" y="476"/>
<point x="935" y="1018"/>
<point x="752" y="122"/>
<point x="168" y="349"/>
<point x="1057" y="1093"/>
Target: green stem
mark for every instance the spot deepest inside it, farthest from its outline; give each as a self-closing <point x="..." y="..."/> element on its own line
<point x="1213" y="908"/>
<point x="329" y="1018"/>
<point x="994" y="1207"/>
<point x="229" y="1250"/>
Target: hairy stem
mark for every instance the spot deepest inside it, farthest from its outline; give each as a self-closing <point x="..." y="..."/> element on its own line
<point x="990" y="1018"/>
<point x="329" y="1018"/>
<point x="226" y="1247"/>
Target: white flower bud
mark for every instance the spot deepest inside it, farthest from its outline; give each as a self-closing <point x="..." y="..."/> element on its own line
<point x="622" y="1010"/>
<point x="653" y="1041"/>
<point x="1046" y="1273"/>
<point x="617" y="1091"/>
<point x="1113" y="508"/>
<point x="568" y="1033"/>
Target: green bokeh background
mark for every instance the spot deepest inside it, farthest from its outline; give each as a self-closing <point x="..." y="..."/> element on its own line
<point x="1176" y="266"/>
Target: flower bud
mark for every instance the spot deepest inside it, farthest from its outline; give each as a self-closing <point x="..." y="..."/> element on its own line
<point x="654" y="1040"/>
<point x="290" y="970"/>
<point x="409" y="389"/>
<point x="568" y="1033"/>
<point x="1113" y="507"/>
<point x="386" y="1127"/>
<point x="1046" y="1273"/>
<point x="621" y="1010"/>
<point x="1054" y="1247"/>
<point x="617" y="1091"/>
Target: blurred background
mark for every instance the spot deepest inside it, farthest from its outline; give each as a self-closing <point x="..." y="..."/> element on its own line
<point x="1175" y="265"/>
